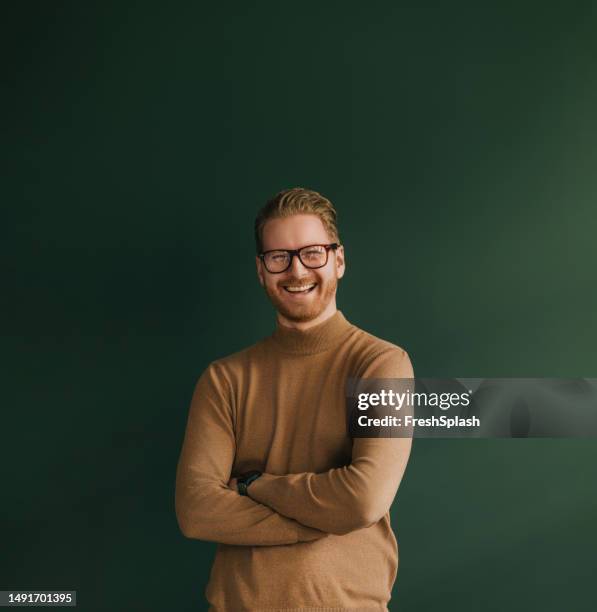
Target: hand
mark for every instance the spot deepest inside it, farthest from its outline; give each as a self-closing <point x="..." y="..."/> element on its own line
<point x="232" y="484"/>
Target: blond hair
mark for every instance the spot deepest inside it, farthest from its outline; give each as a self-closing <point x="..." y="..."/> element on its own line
<point x="297" y="201"/>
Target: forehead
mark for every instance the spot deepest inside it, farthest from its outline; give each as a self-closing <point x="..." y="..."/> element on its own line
<point x="294" y="232"/>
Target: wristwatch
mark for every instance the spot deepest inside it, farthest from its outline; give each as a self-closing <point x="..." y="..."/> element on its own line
<point x="244" y="480"/>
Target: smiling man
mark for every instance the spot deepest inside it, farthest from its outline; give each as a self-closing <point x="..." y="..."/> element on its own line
<point x="300" y="510"/>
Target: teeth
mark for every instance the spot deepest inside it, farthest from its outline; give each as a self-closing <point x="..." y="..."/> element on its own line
<point x="301" y="288"/>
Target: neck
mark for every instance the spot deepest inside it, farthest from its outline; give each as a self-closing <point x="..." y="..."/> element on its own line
<point x="325" y="335"/>
<point x="329" y="311"/>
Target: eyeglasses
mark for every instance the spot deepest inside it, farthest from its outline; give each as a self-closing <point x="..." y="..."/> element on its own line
<point x="312" y="256"/>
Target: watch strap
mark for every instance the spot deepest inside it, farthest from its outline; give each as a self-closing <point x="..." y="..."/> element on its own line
<point x="245" y="480"/>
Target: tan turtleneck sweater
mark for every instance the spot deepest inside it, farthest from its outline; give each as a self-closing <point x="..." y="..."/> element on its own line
<point x="314" y="532"/>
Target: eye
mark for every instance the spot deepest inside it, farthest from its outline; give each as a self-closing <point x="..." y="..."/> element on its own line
<point x="313" y="253"/>
<point x="277" y="257"/>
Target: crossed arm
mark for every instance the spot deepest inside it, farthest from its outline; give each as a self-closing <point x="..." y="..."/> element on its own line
<point x="206" y="507"/>
<point x="282" y="509"/>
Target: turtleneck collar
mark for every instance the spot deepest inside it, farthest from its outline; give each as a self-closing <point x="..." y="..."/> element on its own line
<point x="316" y="339"/>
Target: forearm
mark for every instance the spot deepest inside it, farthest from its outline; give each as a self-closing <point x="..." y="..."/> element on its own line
<point x="218" y="514"/>
<point x="343" y="499"/>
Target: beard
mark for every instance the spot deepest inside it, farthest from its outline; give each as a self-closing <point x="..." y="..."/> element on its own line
<point x="324" y="292"/>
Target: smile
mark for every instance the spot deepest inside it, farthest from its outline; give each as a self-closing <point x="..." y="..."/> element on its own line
<point x="300" y="288"/>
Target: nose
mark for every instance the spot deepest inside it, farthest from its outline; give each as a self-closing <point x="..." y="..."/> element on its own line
<point x="297" y="268"/>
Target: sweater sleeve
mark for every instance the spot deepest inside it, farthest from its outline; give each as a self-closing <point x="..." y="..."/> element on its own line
<point x="206" y="508"/>
<point x="351" y="497"/>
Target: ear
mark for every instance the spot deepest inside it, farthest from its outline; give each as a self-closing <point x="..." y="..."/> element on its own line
<point x="259" y="271"/>
<point x="340" y="262"/>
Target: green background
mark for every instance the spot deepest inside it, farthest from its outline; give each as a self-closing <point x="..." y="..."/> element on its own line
<point x="458" y="142"/>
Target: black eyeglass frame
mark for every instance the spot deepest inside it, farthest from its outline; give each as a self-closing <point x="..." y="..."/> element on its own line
<point x="293" y="252"/>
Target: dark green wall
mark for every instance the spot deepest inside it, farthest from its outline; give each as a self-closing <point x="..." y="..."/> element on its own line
<point x="457" y="141"/>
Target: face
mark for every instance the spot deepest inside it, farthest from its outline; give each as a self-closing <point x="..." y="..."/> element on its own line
<point x="316" y="299"/>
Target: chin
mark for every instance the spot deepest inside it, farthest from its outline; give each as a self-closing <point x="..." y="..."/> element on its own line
<point x="300" y="313"/>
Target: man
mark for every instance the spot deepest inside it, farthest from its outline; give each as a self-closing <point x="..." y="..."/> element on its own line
<point x="267" y="468"/>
